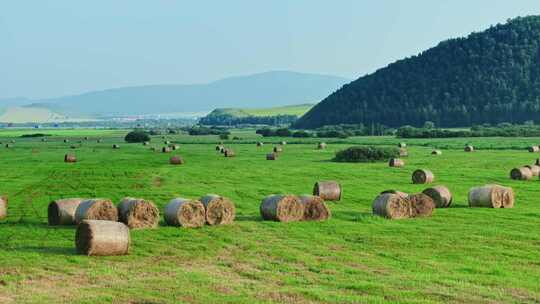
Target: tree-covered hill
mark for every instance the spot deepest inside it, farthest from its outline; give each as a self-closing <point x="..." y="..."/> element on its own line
<point x="487" y="77"/>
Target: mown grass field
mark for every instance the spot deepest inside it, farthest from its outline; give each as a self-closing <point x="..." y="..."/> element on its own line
<point x="460" y="255"/>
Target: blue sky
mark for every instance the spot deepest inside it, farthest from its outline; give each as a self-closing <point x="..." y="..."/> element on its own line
<point x="51" y="48"/>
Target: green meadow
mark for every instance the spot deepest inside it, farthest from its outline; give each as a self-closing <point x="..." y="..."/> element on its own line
<point x="459" y="255"/>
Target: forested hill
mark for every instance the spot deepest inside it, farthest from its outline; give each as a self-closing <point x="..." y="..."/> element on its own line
<point x="487" y="77"/>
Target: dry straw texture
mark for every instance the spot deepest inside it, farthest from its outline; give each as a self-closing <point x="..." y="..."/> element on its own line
<point x="62" y="211"/>
<point x="522" y="173"/>
<point x="491" y="196"/>
<point x="442" y="197"/>
<point x="138" y="213"/>
<point x="219" y="210"/>
<point x="314" y="208"/>
<point x="96" y="209"/>
<point x="421" y="205"/>
<point x="282" y="208"/>
<point x="3" y="207"/>
<point x="70" y="158"/>
<point x="328" y="190"/>
<point x="423" y="176"/>
<point x="185" y="212"/>
<point x="392" y="206"/>
<point x="102" y="238"/>
<point x="535" y="169"/>
<point x="396" y="162"/>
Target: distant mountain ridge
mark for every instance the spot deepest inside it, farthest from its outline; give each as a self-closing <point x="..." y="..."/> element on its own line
<point x="270" y="89"/>
<point x="488" y="77"/>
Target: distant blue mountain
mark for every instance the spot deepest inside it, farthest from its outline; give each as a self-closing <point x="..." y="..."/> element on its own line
<point x="263" y="90"/>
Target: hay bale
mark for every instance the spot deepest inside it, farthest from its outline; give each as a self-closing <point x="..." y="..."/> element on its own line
<point x="260" y="144"/>
<point x="403" y="152"/>
<point x="283" y="143"/>
<point x="222" y="151"/>
<point x="491" y="196"/>
<point x="138" y="213"/>
<point x="423" y="176"/>
<point x="176" y="160"/>
<point x="166" y="150"/>
<point x="396" y="162"/>
<point x="99" y="140"/>
<point x="229" y="153"/>
<point x="397" y="192"/>
<point x="441" y="196"/>
<point x="66" y="140"/>
<point x="271" y="156"/>
<point x="62" y="211"/>
<point x="219" y="210"/>
<point x="146" y="143"/>
<point x="70" y="158"/>
<point x="533" y="149"/>
<point x="469" y="148"/>
<point x="421" y="205"/>
<point x="167" y="142"/>
<point x="3" y="207"/>
<point x="436" y="152"/>
<point x="391" y="206"/>
<point x="43" y="139"/>
<point x="185" y="212"/>
<point x="402" y="145"/>
<point x="9" y="146"/>
<point x="537" y="162"/>
<point x="328" y="190"/>
<point x="219" y="148"/>
<point x="535" y="169"/>
<point x="282" y="208"/>
<point x="86" y="138"/>
<point x="522" y="173"/>
<point x="96" y="209"/>
<point x="174" y="147"/>
<point x="115" y="146"/>
<point x="314" y="208"/>
<point x="102" y="238"/>
<point x="278" y="150"/>
<point x="321" y="146"/>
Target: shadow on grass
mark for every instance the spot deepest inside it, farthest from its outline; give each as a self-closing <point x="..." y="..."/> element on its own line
<point x="351" y="215"/>
<point x="47" y="250"/>
<point x="248" y="218"/>
<point x="37" y="225"/>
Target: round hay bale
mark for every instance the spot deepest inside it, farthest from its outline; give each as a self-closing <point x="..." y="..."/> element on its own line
<point x="283" y="143"/>
<point x="314" y="208"/>
<point x="282" y="208"/>
<point x="138" y="213"/>
<point x="62" y="211"/>
<point x="391" y="206"/>
<point x="70" y="158"/>
<point x="146" y="143"/>
<point x="397" y="192"/>
<point x="96" y="209"/>
<point x="229" y="153"/>
<point x="278" y="150"/>
<point x="402" y="145"/>
<point x="403" y="152"/>
<point x="396" y="162"/>
<point x="66" y="140"/>
<point x="219" y="210"/>
<point x="174" y="147"/>
<point x="522" y="173"/>
<point x="185" y="212"/>
<point x="99" y="140"/>
<point x="491" y="196"/>
<point x="441" y="196"/>
<point x="176" y="160"/>
<point x="43" y="139"/>
<point x="260" y="144"/>
<point x="218" y="148"/>
<point x="469" y="148"/>
<point x="9" y="146"/>
<point x="537" y="162"/>
<point x="3" y="207"/>
<point x="535" y="169"/>
<point x="421" y="205"/>
<point x="115" y="146"/>
<point x="102" y="238"/>
<point x="86" y="138"/>
<point x="436" y="152"/>
<point x="321" y="146"/>
<point x="167" y="142"/>
<point x="423" y="176"/>
<point x="328" y="190"/>
<point x="271" y="156"/>
<point x="222" y="150"/>
<point x="533" y="149"/>
<point x="166" y="150"/>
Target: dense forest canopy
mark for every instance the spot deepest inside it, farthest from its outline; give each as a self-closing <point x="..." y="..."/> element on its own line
<point x="488" y="77"/>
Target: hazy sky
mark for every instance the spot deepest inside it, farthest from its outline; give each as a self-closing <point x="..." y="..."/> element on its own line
<point x="57" y="47"/>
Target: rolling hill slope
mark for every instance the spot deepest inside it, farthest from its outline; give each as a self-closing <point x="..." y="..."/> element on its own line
<point x="487" y="77"/>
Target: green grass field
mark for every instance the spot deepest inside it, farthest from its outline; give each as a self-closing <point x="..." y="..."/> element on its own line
<point x="460" y="255"/>
<point x="298" y="110"/>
